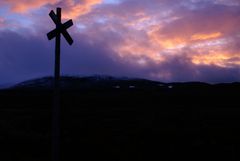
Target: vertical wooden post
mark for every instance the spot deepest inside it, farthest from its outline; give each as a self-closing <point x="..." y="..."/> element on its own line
<point x="56" y="117"/>
<point x="56" y="108"/>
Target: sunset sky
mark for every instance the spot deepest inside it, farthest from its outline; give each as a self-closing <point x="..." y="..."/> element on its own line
<point x="164" y="40"/>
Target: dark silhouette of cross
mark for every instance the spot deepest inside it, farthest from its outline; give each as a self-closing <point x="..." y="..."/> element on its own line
<point x="60" y="29"/>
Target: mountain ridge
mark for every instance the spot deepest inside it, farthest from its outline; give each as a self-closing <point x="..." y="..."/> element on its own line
<point x="75" y="82"/>
<point x="109" y="82"/>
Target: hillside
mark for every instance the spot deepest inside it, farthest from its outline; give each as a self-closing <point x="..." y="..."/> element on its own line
<point x="108" y="118"/>
<point x="90" y="82"/>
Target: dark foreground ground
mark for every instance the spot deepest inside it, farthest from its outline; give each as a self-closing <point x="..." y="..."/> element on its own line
<point x="121" y="125"/>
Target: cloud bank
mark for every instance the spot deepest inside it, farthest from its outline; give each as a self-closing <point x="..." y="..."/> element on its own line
<point x="177" y="40"/>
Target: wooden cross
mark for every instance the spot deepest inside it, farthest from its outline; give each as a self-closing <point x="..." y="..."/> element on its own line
<point x="60" y="29"/>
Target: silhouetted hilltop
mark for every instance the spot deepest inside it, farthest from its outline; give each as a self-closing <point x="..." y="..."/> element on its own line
<point x="109" y="82"/>
<point x="89" y="82"/>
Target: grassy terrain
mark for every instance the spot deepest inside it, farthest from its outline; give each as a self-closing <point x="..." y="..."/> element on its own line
<point x="183" y="123"/>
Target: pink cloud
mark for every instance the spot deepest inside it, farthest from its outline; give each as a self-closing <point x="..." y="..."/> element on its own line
<point x="72" y="8"/>
<point x="160" y="38"/>
<point x="26" y="5"/>
<point x="2" y="22"/>
<point x="75" y="9"/>
<point x="146" y="32"/>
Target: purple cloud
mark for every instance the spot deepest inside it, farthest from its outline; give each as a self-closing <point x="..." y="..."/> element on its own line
<point x="163" y="40"/>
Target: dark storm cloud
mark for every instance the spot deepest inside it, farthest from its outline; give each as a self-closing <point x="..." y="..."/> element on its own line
<point x="25" y="58"/>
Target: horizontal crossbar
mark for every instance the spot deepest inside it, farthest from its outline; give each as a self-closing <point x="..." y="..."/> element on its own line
<point x="62" y="28"/>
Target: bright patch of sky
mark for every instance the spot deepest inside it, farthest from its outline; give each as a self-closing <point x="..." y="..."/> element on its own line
<point x="80" y="26"/>
<point x="3" y="11"/>
<point x="228" y="2"/>
<point x="112" y="1"/>
<point x="101" y="20"/>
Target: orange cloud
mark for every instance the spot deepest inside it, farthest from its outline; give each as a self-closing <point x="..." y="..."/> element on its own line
<point x="72" y="9"/>
<point x="217" y="58"/>
<point x="167" y="43"/>
<point x="26" y="5"/>
<point x="159" y="48"/>
<point x="130" y="48"/>
<point x="206" y="49"/>
<point x="206" y="36"/>
<point x="77" y="9"/>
